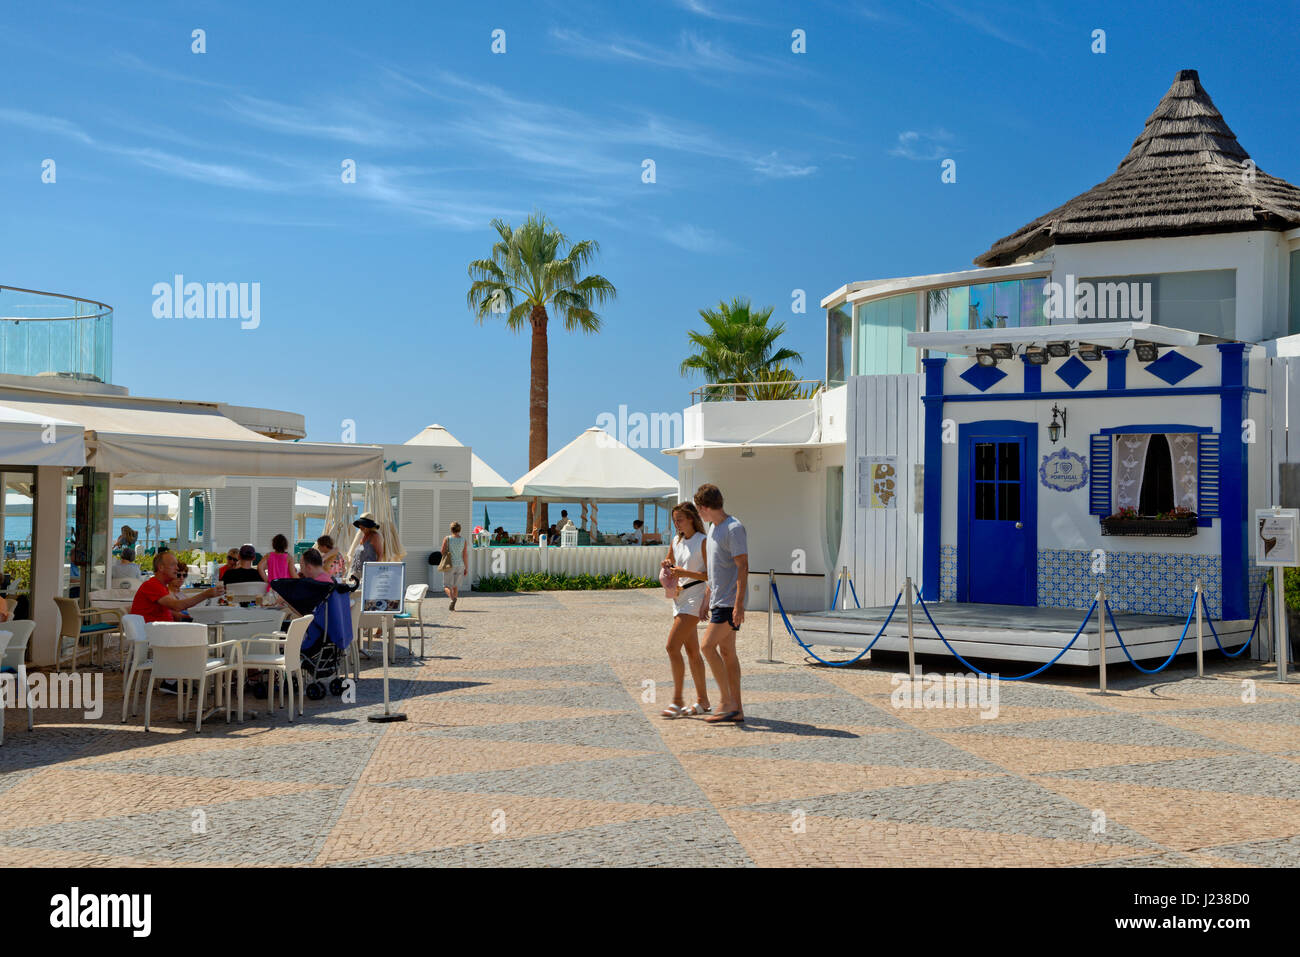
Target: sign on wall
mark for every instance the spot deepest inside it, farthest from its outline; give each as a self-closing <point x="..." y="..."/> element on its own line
<point x="1276" y="534"/>
<point x="1063" y="471"/>
<point x="878" y="481"/>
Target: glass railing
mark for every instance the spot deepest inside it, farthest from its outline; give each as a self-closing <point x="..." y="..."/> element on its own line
<point x="43" y="332"/>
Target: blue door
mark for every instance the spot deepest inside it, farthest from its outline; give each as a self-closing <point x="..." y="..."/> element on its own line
<point x="997" y="547"/>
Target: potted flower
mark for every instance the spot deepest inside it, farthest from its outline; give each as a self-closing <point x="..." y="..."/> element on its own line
<point x="1176" y="523"/>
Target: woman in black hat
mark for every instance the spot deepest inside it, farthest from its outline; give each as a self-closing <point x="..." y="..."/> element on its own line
<point x="369" y="545"/>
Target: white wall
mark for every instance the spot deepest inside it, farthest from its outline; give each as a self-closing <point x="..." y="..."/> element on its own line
<point x="49" y="528"/>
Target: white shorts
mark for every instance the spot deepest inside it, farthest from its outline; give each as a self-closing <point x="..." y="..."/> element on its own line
<point x="690" y="601"/>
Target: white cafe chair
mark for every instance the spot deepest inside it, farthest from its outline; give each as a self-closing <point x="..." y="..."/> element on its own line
<point x="246" y="591"/>
<point x="181" y="652"/>
<point x="415" y="595"/>
<point x="280" y="654"/>
<point x="138" y="661"/>
<point x="14" y="636"/>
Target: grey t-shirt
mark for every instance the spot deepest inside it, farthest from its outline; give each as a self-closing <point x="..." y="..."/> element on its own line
<point x="726" y="541"/>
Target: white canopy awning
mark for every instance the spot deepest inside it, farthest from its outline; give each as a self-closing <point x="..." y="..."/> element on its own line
<point x="33" y="440"/>
<point x="1111" y="335"/>
<point x="596" y="466"/>
<point x="489" y="485"/>
<point x="158" y="443"/>
<point x="309" y="502"/>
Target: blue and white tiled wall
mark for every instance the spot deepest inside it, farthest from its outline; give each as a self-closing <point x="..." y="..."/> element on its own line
<point x="1140" y="582"/>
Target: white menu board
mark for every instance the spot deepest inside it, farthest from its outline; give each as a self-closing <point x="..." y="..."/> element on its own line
<point x="383" y="585"/>
<point x="1276" y="532"/>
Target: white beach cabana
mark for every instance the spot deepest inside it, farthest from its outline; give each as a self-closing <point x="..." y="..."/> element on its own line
<point x="489" y="486"/>
<point x="596" y="467"/>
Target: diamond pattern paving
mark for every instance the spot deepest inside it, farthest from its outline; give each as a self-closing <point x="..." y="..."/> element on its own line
<point x="533" y="741"/>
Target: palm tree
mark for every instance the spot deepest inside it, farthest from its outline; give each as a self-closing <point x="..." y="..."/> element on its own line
<point x="739" y="347"/>
<point x="532" y="268"/>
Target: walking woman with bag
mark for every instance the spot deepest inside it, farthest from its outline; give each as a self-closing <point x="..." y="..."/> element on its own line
<point x="683" y="573"/>
<point x="455" y="559"/>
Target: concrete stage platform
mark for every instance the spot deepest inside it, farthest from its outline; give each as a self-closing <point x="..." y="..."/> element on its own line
<point x="1014" y="633"/>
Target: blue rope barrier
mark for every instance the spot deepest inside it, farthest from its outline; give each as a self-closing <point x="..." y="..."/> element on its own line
<point x="1151" y="671"/>
<point x="855" y="594"/>
<point x="1036" y="671"/>
<point x="1259" y="610"/>
<point x="800" y="642"/>
<point x="835" y="602"/>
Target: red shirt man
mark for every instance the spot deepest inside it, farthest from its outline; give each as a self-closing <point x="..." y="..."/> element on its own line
<point x="154" y="601"/>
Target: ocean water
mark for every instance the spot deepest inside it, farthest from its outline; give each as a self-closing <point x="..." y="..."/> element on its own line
<point x="613" y="518"/>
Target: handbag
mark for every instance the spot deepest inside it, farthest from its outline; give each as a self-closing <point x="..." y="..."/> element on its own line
<point x="669" y="581"/>
<point x="445" y="564"/>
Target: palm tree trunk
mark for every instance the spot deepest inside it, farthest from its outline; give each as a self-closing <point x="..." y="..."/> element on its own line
<point x="538" y="407"/>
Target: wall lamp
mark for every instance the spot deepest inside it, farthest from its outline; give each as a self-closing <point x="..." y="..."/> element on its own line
<point x="1146" y="351"/>
<point x="1089" y="353"/>
<point x="1036" y="357"/>
<point x="1058" y="350"/>
<point x="1056" y="429"/>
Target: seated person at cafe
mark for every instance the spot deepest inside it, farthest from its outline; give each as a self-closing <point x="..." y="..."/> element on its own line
<point x="182" y="572"/>
<point x="553" y="535"/>
<point x="311" y="564"/>
<point x="154" y="600"/>
<point x="245" y="571"/>
<point x="125" y="566"/>
<point x="565" y="521"/>
<point x="232" y="562"/>
<point x="637" y="535"/>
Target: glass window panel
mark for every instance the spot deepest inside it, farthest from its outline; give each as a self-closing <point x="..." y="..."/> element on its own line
<point x="1294" y="326"/>
<point x="984" y="460"/>
<point x="1033" y="297"/>
<point x="959" y="307"/>
<point x="980" y="309"/>
<point x="1009" y="501"/>
<point x="1009" y="461"/>
<point x="1006" y="304"/>
<point x="985" y="501"/>
<point x="882" y="335"/>
<point x="1199" y="301"/>
<point x="839" y="332"/>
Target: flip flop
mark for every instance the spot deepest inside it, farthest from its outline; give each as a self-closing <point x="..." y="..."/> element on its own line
<point x="732" y="716"/>
<point x="696" y="709"/>
<point x="673" y="711"/>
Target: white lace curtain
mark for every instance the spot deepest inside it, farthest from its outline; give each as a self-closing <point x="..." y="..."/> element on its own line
<point x="1130" y="468"/>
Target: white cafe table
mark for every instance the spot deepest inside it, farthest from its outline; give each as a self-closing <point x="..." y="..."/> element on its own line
<point x="233" y="623"/>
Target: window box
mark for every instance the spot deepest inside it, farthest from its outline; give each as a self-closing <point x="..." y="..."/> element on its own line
<point x="1149" y="527"/>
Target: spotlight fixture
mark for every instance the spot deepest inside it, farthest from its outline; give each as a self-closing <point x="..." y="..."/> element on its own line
<point x="985" y="358"/>
<point x="1003" y="350"/>
<point x="1036" y="357"/>
<point x="1146" y="351"/>
<point x="1058" y="350"/>
<point x="1056" y="428"/>
<point x="746" y="452"/>
<point x="1089" y="352"/>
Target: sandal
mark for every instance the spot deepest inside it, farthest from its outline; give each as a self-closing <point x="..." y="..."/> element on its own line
<point x="673" y="711"/>
<point x="732" y="716"/>
<point x="696" y="710"/>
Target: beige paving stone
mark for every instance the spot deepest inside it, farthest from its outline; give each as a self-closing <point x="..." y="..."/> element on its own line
<point x="1035" y="755"/>
<point x="58" y="796"/>
<point x="939" y="718"/>
<point x="390" y="819"/>
<point x="738" y="781"/>
<point x="1184" y="820"/>
<point x="432" y="715"/>
<point x="1255" y="735"/>
<point x="770" y="840"/>
<point x="403" y="757"/>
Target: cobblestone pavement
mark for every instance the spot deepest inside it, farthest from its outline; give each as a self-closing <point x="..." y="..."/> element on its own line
<point x="532" y="741"/>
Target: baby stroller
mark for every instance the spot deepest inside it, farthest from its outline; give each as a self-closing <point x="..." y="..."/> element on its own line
<point x="328" y="637"/>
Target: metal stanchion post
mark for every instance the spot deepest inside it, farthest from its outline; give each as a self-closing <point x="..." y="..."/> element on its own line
<point x="1279" y="621"/>
<point x="1101" y="631"/>
<point x="844" y="601"/>
<point x="1200" y="635"/>
<point x="771" y="584"/>
<point x="911" y="636"/>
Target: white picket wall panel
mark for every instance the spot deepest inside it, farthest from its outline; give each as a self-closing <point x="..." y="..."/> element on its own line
<point x="274" y="511"/>
<point x="231" y="518"/>
<point x="641" y="560"/>
<point x="882" y="546"/>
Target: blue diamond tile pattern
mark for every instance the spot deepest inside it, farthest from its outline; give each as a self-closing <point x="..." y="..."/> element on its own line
<point x="1173" y="367"/>
<point x="1073" y="371"/>
<point x="983" y="377"/>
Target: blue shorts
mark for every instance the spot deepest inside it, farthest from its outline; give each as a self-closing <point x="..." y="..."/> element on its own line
<point x="721" y="614"/>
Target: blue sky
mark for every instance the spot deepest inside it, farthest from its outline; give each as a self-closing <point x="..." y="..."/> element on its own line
<point x="776" y="171"/>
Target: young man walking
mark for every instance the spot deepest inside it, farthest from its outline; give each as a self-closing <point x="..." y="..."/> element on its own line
<point x="728" y="566"/>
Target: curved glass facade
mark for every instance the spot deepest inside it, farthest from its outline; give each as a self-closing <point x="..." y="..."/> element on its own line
<point x="44" y="332"/>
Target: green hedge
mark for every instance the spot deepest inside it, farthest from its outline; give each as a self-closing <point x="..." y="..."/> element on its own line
<point x="539" y="581"/>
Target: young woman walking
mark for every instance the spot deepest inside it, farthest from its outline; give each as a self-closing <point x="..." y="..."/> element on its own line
<point x="686" y="561"/>
<point x="456" y="548"/>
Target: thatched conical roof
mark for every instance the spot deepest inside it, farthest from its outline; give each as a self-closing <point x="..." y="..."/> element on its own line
<point x="1185" y="174"/>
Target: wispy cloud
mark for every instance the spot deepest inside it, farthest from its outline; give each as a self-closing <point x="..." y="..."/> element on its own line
<point x="923" y="146"/>
<point x="349" y="123"/>
<point x="983" y="24"/>
<point x="692" y="53"/>
<point x="772" y="167"/>
<point x="45" y="124"/>
<point x="703" y="9"/>
<point x="694" y="239"/>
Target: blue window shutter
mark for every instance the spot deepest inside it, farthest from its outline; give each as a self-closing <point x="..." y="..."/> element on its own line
<point x="1099" y="476"/>
<point x="1207" y="477"/>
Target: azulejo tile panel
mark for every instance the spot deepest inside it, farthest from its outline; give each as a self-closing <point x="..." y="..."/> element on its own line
<point x="948" y="573"/>
<point x="1140" y="582"/>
